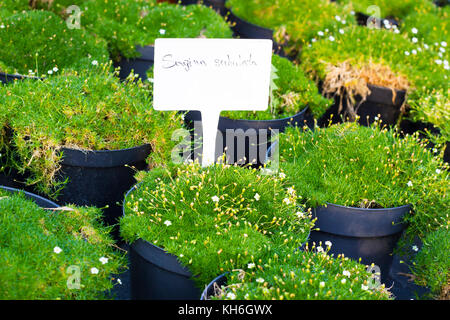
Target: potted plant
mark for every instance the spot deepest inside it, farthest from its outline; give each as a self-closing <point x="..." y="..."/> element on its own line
<point x="270" y="19"/>
<point x="53" y="252"/>
<point x="80" y="137"/>
<point x="365" y="185"/>
<point x="431" y="266"/>
<point x="433" y="108"/>
<point x="299" y="275"/>
<point x="29" y="48"/>
<point x="187" y="224"/>
<point x="132" y="27"/>
<point x="294" y="101"/>
<point x="370" y="72"/>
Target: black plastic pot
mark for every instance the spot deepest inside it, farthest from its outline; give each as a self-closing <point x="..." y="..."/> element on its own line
<point x="156" y="274"/>
<point x="40" y="201"/>
<point x="247" y="30"/>
<point x="248" y="131"/>
<point x="369" y="234"/>
<point x="209" y="290"/>
<point x="378" y="104"/>
<point x="217" y="5"/>
<point x="139" y="65"/>
<point x="100" y="178"/>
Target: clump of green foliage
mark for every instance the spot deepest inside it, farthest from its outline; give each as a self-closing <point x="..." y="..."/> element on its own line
<point x="377" y="57"/>
<point x="125" y="24"/>
<point x="429" y="27"/>
<point x="291" y="92"/>
<point x="40" y="43"/>
<point x="397" y="9"/>
<point x="311" y="274"/>
<point x="13" y="6"/>
<point x="431" y="266"/>
<point x="214" y="219"/>
<point x="294" y="22"/>
<point x="368" y="167"/>
<point x="89" y="111"/>
<point x="434" y="108"/>
<point x="38" y="248"/>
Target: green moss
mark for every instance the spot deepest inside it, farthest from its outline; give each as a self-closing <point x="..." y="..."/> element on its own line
<point x="292" y="92"/>
<point x="294" y="22"/>
<point x="432" y="264"/>
<point x="31" y="269"/>
<point x="39" y="41"/>
<point x="364" y="166"/>
<point x="214" y="219"/>
<point x="91" y="111"/>
<point x="303" y="275"/>
<point x="125" y="24"/>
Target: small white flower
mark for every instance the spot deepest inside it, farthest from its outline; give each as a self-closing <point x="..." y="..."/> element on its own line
<point x="414" y="51"/>
<point x="341" y="31"/>
<point x="50" y="71"/>
<point x="442" y="50"/>
<point x="322" y="284"/>
<point x="215" y="199"/>
<point x="251" y="265"/>
<point x="257" y="196"/>
<point x="443" y="43"/>
<point x="346" y="273"/>
<point x="94" y="270"/>
<point x="94" y="62"/>
<point x="331" y="38"/>
<point x="328" y="243"/>
<point x="30" y="71"/>
<point x="119" y="281"/>
<point x="438" y="61"/>
<point x="320" y="249"/>
<point x="162" y="31"/>
<point x="57" y="250"/>
<point x="396" y="31"/>
<point x="343" y="281"/>
<point x="337" y="18"/>
<point x="231" y="296"/>
<point x="55" y="69"/>
<point x="150" y="80"/>
<point x="245" y="235"/>
<point x="352" y="12"/>
<point x="320" y="33"/>
<point x="415" y="248"/>
<point x="426" y="46"/>
<point x="438" y="171"/>
<point x="410" y="184"/>
<point x="414" y="40"/>
<point x="376" y="118"/>
<point x="364" y="287"/>
<point x="414" y="30"/>
<point x="343" y="21"/>
<point x="282" y="175"/>
<point x="167" y="223"/>
<point x="260" y="280"/>
<point x="299" y="214"/>
<point x="291" y="190"/>
<point x="313" y="40"/>
<point x="447" y="67"/>
<point x="103" y="260"/>
<point x="286" y="201"/>
<point x="406" y="53"/>
<point x="2" y="26"/>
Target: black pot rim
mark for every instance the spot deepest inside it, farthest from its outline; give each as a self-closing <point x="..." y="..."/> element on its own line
<point x="104" y="158"/>
<point x="384" y="95"/>
<point x="360" y="222"/>
<point x="141" y="245"/>
<point x="234" y="18"/>
<point x="302" y="112"/>
<point x="204" y="295"/>
<point x="38" y="199"/>
<point x="18" y="76"/>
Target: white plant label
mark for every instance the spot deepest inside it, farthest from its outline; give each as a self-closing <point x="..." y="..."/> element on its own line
<point x="210" y="76"/>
